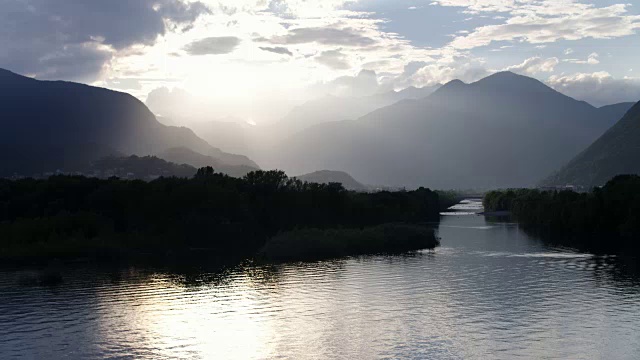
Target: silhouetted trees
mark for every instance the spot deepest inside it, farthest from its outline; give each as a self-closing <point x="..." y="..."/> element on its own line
<point x="606" y="216"/>
<point x="211" y="211"/>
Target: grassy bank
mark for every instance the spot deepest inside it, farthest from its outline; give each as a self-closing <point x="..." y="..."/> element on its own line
<point x="317" y="244"/>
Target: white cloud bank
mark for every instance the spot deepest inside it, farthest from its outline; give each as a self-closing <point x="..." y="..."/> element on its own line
<point x="535" y="65"/>
<point x="545" y="21"/>
<point x="598" y="88"/>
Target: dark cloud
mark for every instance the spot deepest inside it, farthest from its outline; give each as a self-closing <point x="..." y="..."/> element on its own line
<point x="213" y="45"/>
<point x="80" y="62"/>
<point x="326" y="36"/>
<point x="333" y="59"/>
<point x="277" y="50"/>
<point x="49" y="39"/>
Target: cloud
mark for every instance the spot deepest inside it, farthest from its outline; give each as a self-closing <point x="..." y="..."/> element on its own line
<point x="333" y="59"/>
<point x="477" y="6"/>
<point x="213" y="45"/>
<point x="133" y="84"/>
<point x="282" y="8"/>
<point x="535" y="65"/>
<point x="323" y="35"/>
<point x="434" y="74"/>
<point x="362" y="84"/>
<point x="545" y="21"/>
<point x="591" y="60"/>
<point x="598" y="88"/>
<point x="82" y="61"/>
<point x="75" y="39"/>
<point x="431" y="73"/>
<point x="277" y="50"/>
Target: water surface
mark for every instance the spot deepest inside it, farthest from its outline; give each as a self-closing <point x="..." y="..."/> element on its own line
<point x="490" y="291"/>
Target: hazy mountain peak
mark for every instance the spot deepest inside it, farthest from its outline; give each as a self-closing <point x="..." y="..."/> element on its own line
<point x="450" y="87"/>
<point x="501" y="81"/>
<point x="485" y="135"/>
<point x="505" y="75"/>
<point x="506" y="80"/>
<point x="454" y="83"/>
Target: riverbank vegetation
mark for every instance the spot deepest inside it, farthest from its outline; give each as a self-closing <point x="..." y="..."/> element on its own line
<point x="316" y="244"/>
<point x="211" y="212"/>
<point x="607" y="216"/>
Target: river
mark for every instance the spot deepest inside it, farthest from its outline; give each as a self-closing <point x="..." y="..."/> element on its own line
<point x="490" y="291"/>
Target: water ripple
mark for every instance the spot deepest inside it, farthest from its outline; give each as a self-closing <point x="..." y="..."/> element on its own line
<point x="490" y="291"/>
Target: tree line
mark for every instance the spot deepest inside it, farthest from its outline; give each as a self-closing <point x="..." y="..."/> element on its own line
<point x="211" y="211"/>
<point x="605" y="217"/>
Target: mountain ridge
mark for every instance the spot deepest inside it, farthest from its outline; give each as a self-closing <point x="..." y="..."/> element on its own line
<point x="462" y="136"/>
<point x="616" y="152"/>
<point x="58" y="114"/>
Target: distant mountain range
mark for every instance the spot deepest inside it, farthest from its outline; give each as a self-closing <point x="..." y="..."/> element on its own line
<point x="333" y="108"/>
<point x="327" y="176"/>
<point x="230" y="134"/>
<point x="237" y="136"/>
<point x="49" y="125"/>
<point x="616" y="152"/>
<point x="505" y="130"/>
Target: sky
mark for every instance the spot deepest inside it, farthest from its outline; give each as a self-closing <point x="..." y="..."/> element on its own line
<point x="254" y="58"/>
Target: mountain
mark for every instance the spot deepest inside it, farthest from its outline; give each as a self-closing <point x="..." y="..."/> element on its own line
<point x="237" y="136"/>
<point x="183" y="155"/>
<point x="505" y="130"/>
<point x="410" y="93"/>
<point x="332" y="108"/>
<point x="616" y="152"/>
<point x="616" y="111"/>
<point x="229" y="134"/>
<point x="319" y="111"/>
<point x="79" y="122"/>
<point x="327" y="176"/>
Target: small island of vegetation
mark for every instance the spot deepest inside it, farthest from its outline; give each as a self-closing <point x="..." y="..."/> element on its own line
<point x="211" y="213"/>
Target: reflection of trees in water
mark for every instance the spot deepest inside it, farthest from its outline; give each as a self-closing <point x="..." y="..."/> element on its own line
<point x="208" y="275"/>
<point x="621" y="269"/>
<point x="610" y="261"/>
